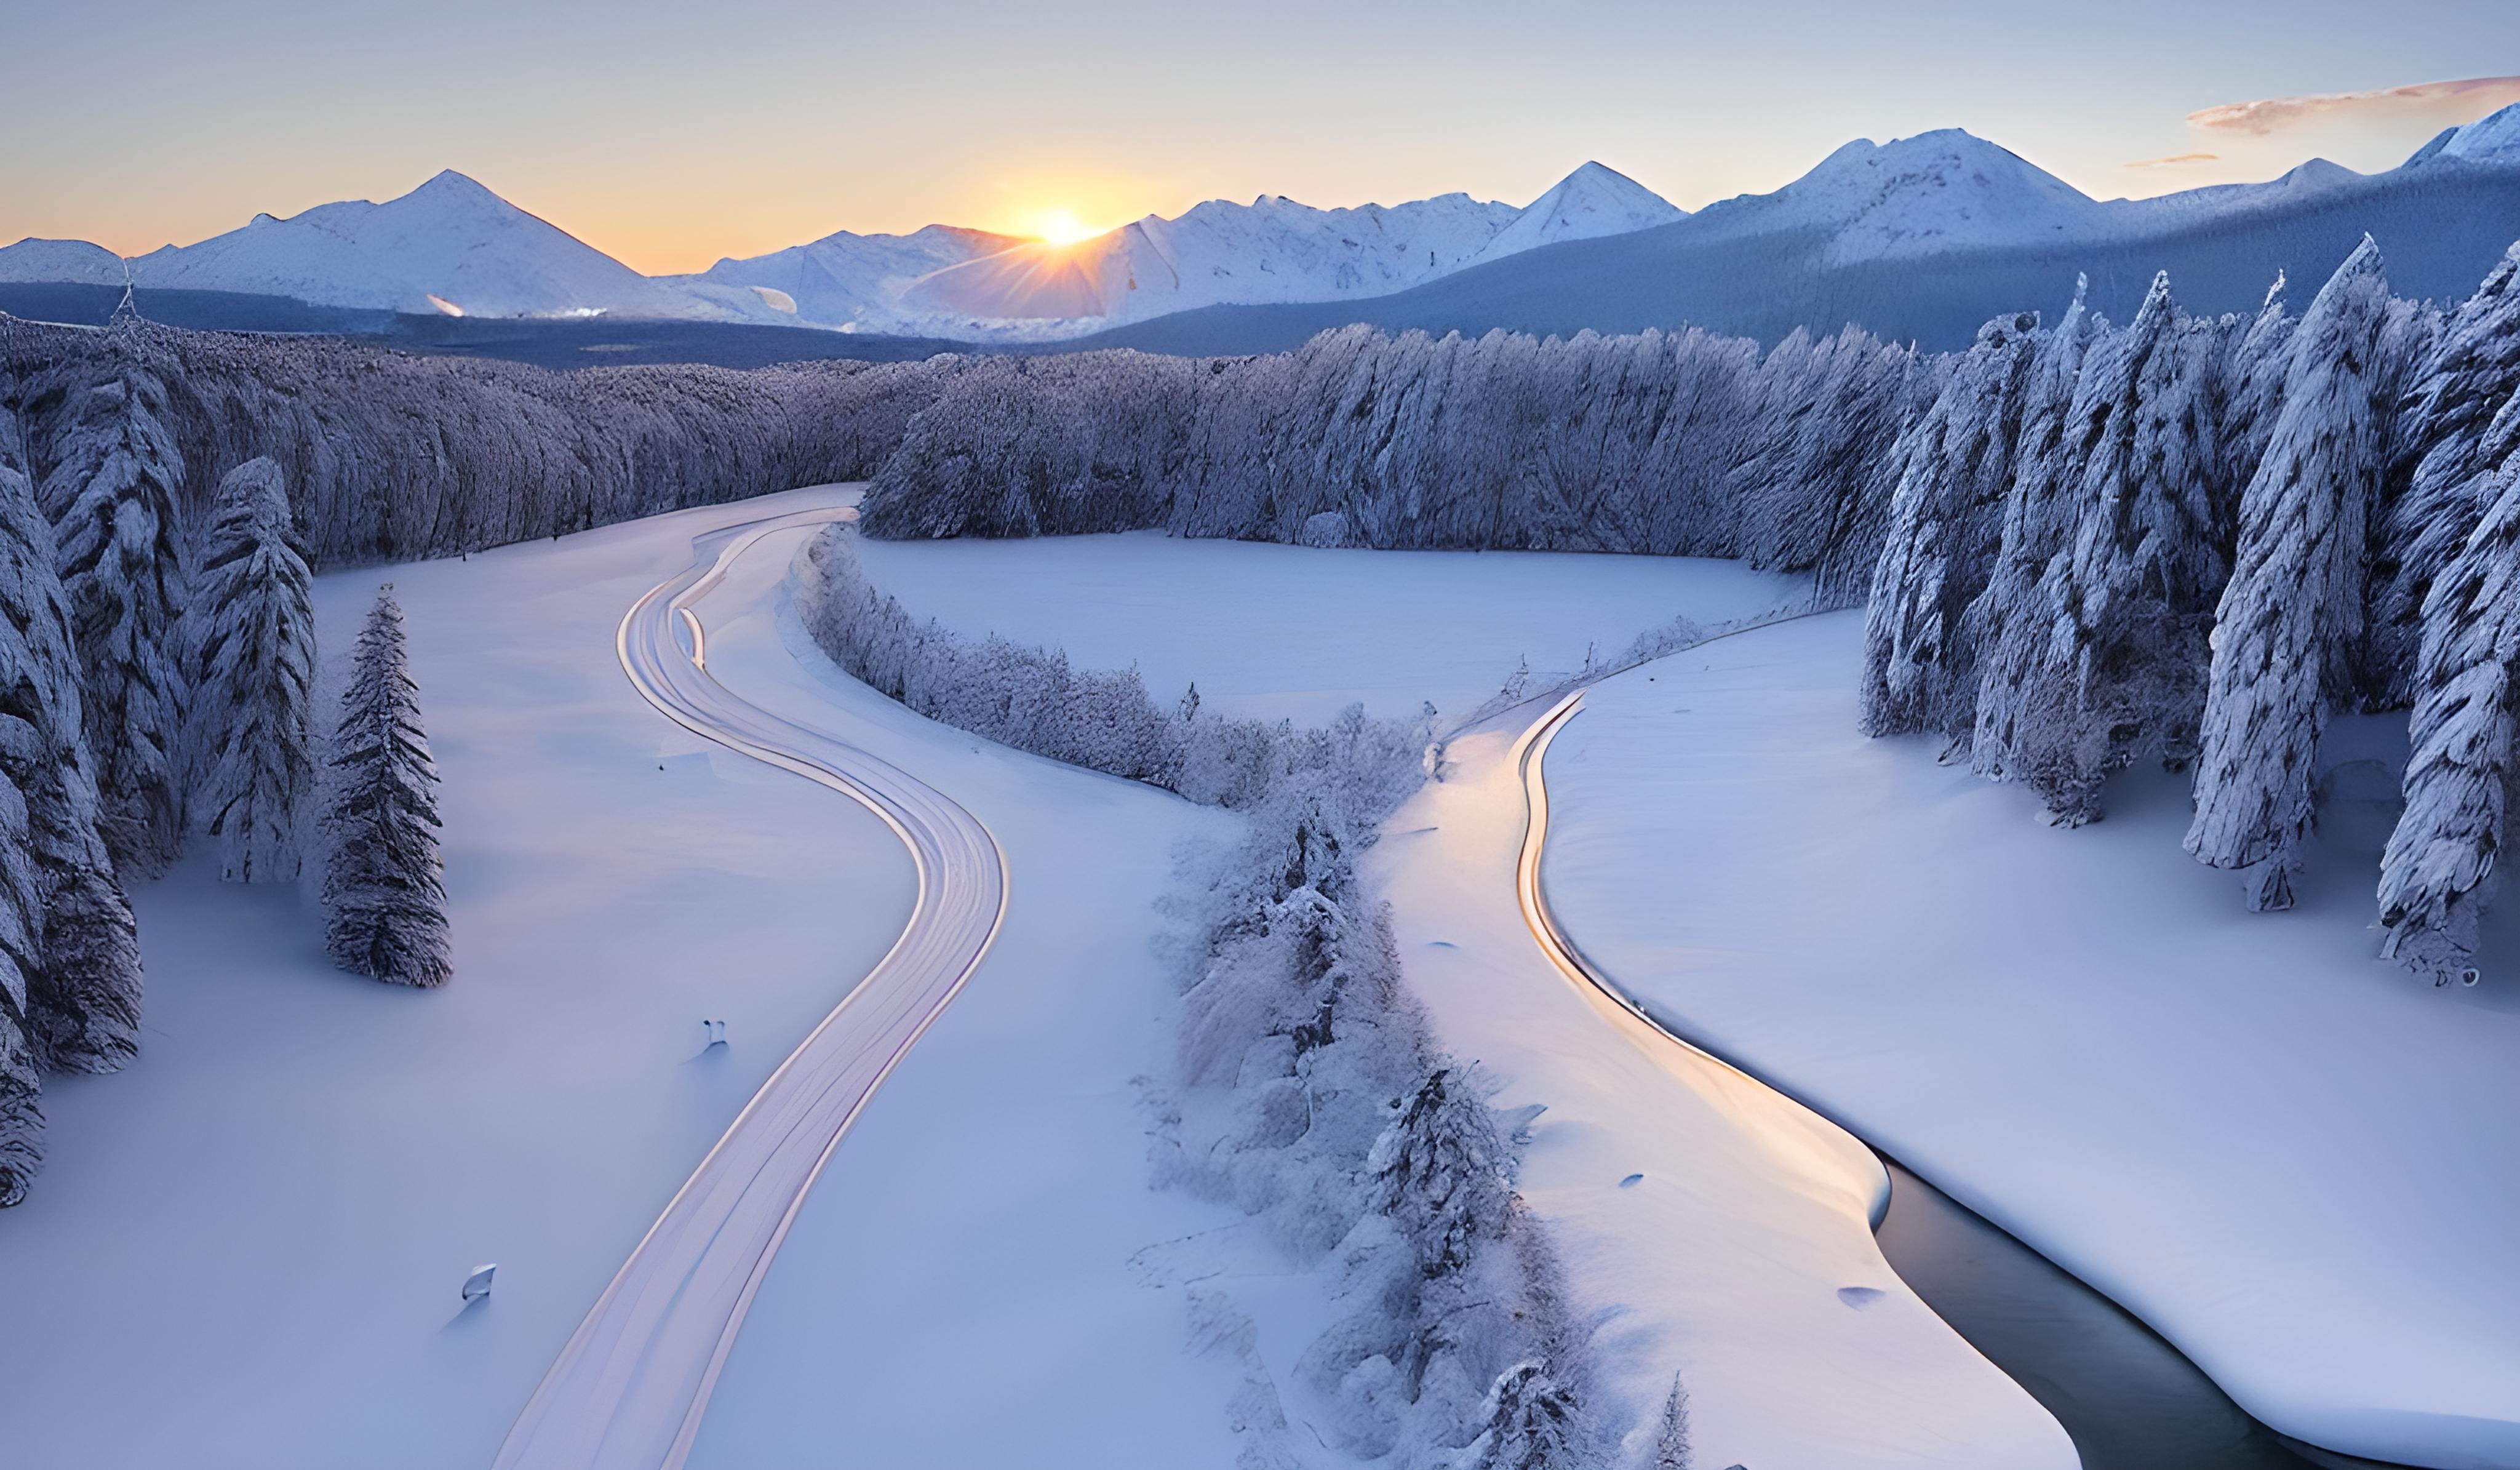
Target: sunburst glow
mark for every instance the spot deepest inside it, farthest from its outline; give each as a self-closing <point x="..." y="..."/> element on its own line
<point x="1063" y="227"/>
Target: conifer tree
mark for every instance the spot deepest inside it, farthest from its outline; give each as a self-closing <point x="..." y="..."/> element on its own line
<point x="2025" y="704"/>
<point x="1441" y="1172"/>
<point x="2290" y="620"/>
<point x="385" y="898"/>
<point x="2439" y="869"/>
<point x="1672" y="1449"/>
<point x="1946" y="522"/>
<point x="250" y="652"/>
<point x="2470" y="373"/>
<point x="112" y="495"/>
<point x="1529" y="1422"/>
<point x="2152" y="549"/>
<point x="85" y="994"/>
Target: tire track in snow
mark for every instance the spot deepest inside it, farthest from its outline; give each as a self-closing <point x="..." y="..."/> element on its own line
<point x="628" y="1390"/>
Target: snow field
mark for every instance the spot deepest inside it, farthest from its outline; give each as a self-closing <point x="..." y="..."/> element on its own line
<point x="1276" y="631"/>
<point x="246" y="1249"/>
<point x="2288" y="1157"/>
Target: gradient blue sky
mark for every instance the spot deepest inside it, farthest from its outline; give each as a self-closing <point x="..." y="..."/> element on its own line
<point x="671" y="134"/>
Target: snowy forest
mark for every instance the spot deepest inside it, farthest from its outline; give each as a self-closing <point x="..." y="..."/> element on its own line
<point x="2190" y="539"/>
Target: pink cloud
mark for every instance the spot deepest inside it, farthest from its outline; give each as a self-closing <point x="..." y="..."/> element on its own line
<point x="2177" y="160"/>
<point x="2448" y="102"/>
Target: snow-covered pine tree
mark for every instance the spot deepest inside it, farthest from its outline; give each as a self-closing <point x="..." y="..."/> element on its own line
<point x="250" y="653"/>
<point x="385" y="899"/>
<point x="1672" y="1449"/>
<point x="2290" y="616"/>
<point x="85" y="994"/>
<point x="2026" y="704"/>
<point x="112" y="495"/>
<point x="1441" y="1172"/>
<point x="1946" y="522"/>
<point x="2471" y="371"/>
<point x="1529" y="1422"/>
<point x="2153" y="547"/>
<point x="2438" y="872"/>
<point x="21" y="1118"/>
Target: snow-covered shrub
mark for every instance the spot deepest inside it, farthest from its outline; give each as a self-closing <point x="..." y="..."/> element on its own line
<point x="384" y="894"/>
<point x="249" y="647"/>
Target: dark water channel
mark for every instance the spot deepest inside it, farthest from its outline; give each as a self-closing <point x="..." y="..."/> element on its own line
<point x="2127" y="1398"/>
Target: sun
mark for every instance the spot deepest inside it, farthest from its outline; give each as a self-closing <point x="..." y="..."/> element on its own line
<point x="1061" y="227"/>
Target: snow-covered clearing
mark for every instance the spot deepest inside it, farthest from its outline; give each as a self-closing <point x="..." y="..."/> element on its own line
<point x="2288" y="1157"/>
<point x="245" y="1249"/>
<point x="1296" y="632"/>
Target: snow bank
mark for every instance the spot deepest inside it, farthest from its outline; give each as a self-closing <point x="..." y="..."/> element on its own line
<point x="2288" y="1157"/>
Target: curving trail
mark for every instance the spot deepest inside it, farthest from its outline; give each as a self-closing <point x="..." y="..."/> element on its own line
<point x="628" y="1390"/>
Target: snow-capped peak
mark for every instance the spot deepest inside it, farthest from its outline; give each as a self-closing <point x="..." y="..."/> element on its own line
<point x="1592" y="202"/>
<point x="449" y="240"/>
<point x="71" y="260"/>
<point x="1937" y="190"/>
<point x="2493" y="139"/>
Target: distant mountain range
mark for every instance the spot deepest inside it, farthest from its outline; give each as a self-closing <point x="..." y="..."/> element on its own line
<point x="454" y="248"/>
<point x="1922" y="238"/>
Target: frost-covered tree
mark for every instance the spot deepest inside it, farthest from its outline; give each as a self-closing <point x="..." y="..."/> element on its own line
<point x="2025" y="705"/>
<point x="1442" y="1173"/>
<point x="2471" y="371"/>
<point x="250" y="651"/>
<point x="385" y="898"/>
<point x="2438" y="872"/>
<point x="2153" y="547"/>
<point x="1529" y="1424"/>
<point x="2285" y="630"/>
<point x="1672" y="1449"/>
<point x="111" y="494"/>
<point x="1946" y="524"/>
<point x="85" y="994"/>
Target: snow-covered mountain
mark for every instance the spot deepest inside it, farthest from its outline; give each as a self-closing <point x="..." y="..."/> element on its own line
<point x="1916" y="196"/>
<point x="1592" y="202"/>
<point x="72" y="260"/>
<point x="842" y="279"/>
<point x="449" y="245"/>
<point x="1271" y="249"/>
<point x="2491" y="140"/>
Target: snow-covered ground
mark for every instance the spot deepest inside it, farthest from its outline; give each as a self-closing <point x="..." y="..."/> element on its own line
<point x="2290" y="1159"/>
<point x="245" y="1249"/>
<point x="1742" y="1259"/>
<point x="1296" y="632"/>
<point x="1727" y="1258"/>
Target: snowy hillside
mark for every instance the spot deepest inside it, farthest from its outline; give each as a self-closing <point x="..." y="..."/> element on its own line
<point x="74" y="260"/>
<point x="2493" y="140"/>
<point x="449" y="245"/>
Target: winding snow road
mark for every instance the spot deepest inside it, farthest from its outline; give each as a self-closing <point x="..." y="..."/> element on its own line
<point x="628" y="1390"/>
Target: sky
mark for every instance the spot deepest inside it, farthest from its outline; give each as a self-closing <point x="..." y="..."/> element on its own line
<point x="672" y="134"/>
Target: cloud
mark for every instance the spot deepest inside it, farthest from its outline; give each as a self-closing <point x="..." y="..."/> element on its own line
<point x="2178" y="160"/>
<point x="2446" y="101"/>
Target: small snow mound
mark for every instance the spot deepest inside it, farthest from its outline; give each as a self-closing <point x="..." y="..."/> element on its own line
<point x="1860" y="1296"/>
<point x="776" y="299"/>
